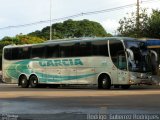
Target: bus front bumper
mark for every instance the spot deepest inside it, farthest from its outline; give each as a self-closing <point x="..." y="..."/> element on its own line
<point x="142" y="79"/>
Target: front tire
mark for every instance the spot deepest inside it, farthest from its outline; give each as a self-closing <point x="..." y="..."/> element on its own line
<point x="24" y="82"/>
<point x="33" y="81"/>
<point x="104" y="82"/>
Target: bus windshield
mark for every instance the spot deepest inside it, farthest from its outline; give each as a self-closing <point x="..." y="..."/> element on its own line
<point x="138" y="56"/>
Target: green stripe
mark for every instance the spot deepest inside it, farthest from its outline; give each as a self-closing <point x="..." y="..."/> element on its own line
<point x="14" y="70"/>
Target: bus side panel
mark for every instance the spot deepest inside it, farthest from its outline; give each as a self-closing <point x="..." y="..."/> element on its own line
<point x="10" y="72"/>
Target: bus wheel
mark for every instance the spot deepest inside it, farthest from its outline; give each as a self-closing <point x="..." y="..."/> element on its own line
<point x="104" y="82"/>
<point x="33" y="81"/>
<point x="24" y="82"/>
<point x="125" y="86"/>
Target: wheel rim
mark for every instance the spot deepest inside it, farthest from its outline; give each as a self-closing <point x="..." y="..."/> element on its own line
<point x="104" y="82"/>
<point x="33" y="81"/>
<point x="23" y="81"/>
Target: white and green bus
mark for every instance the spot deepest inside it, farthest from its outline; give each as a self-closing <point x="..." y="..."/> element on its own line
<point x="105" y="62"/>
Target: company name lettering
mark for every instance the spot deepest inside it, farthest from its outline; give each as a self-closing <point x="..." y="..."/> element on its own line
<point x="63" y="62"/>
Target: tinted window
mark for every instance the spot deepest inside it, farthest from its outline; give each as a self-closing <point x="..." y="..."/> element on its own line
<point x="68" y="50"/>
<point x="118" y="54"/>
<point x="84" y="49"/>
<point x="38" y="52"/>
<point x="52" y="51"/>
<point x="17" y="53"/>
<point x="8" y="53"/>
<point x="115" y="47"/>
<point x="24" y="53"/>
<point x="100" y="48"/>
<point x="81" y="49"/>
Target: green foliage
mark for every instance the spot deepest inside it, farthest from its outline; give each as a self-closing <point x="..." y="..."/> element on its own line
<point x="21" y="39"/>
<point x="149" y="25"/>
<point x="128" y="25"/>
<point x="70" y="29"/>
<point x="154" y="24"/>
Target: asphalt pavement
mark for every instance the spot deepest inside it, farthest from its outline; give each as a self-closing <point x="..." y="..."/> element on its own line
<point x="78" y="102"/>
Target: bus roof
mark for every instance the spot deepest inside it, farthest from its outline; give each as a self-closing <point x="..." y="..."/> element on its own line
<point x="70" y="40"/>
<point x="152" y="42"/>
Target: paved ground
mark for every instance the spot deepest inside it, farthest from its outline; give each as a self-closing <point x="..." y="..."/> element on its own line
<point x="77" y="103"/>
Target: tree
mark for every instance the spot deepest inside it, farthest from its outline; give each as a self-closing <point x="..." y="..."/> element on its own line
<point x="21" y="39"/>
<point x="70" y="29"/>
<point x="128" y="25"/>
<point x="18" y="39"/>
<point x="154" y="24"/>
<point x="149" y="25"/>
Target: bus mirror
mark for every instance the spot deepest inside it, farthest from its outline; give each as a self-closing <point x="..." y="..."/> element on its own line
<point x="131" y="55"/>
<point x="155" y="54"/>
<point x="154" y="62"/>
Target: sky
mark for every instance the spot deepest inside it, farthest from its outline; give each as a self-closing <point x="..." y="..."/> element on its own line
<point x="20" y="12"/>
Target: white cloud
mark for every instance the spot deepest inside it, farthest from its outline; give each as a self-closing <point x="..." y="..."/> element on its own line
<point x="110" y="25"/>
<point x="2" y="20"/>
<point x="16" y="12"/>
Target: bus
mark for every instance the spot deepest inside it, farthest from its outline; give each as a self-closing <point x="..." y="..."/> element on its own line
<point x="104" y="62"/>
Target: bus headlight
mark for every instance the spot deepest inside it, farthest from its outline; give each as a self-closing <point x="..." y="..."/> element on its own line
<point x="150" y="77"/>
<point x="132" y="77"/>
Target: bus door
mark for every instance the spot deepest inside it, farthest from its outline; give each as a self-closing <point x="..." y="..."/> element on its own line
<point x="122" y="73"/>
<point x="119" y="69"/>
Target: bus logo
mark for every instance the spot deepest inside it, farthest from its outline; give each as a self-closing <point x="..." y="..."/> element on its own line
<point x="63" y="62"/>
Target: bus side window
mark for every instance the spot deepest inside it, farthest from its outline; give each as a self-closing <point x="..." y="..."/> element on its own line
<point x="8" y="53"/>
<point x="100" y="48"/>
<point x="38" y="52"/>
<point x="68" y="50"/>
<point x="15" y="53"/>
<point x="52" y="51"/>
<point x="24" y="53"/>
<point x="121" y="62"/>
<point x="84" y="49"/>
<point x="81" y="49"/>
<point x="117" y="54"/>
